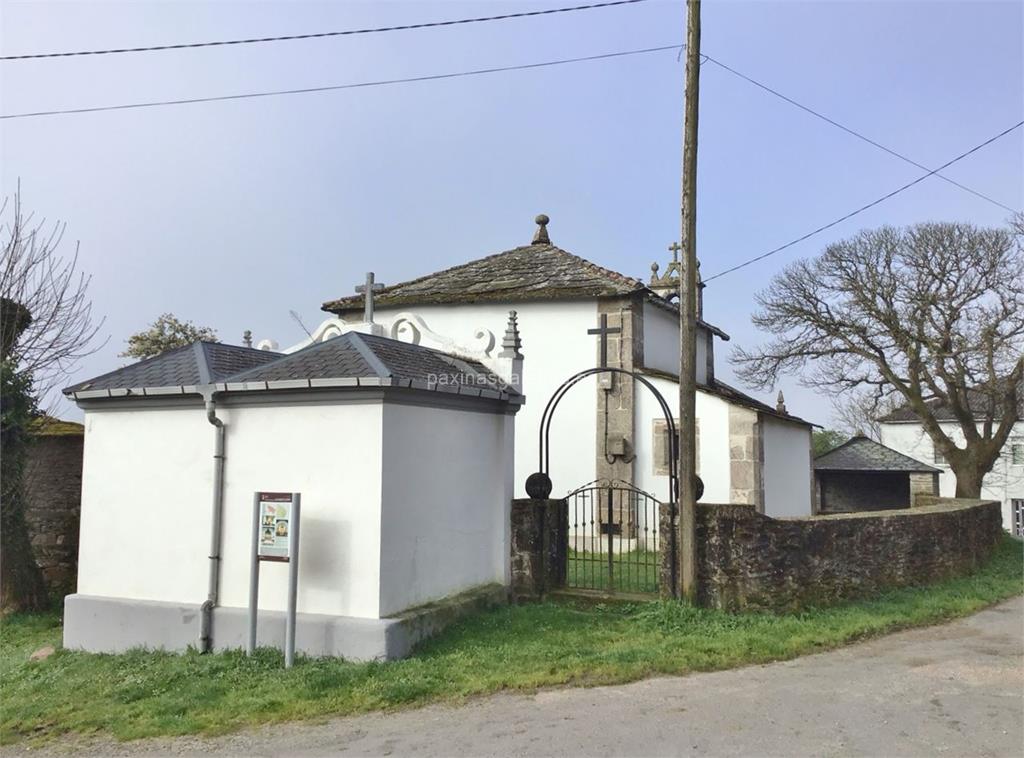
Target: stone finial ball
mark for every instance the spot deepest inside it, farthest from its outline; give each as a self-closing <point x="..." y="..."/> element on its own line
<point x="538" y="486"/>
<point x="542" y="219"/>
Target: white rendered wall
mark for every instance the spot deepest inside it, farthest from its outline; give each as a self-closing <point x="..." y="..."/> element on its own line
<point x="148" y="488"/>
<point x="146" y="483"/>
<point x="661" y="343"/>
<point x="331" y="453"/>
<point x="787" y="468"/>
<point x="446" y="499"/>
<point x="1004" y="483"/>
<point x="713" y="463"/>
<point x="555" y="346"/>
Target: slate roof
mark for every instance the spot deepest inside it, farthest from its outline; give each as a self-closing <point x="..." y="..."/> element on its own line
<point x="975" y="400"/>
<point x="365" y="356"/>
<point x="350" y="360"/>
<point x="730" y="394"/>
<point x="530" y="272"/>
<point x="733" y="395"/>
<point x="863" y="454"/>
<point x="191" y="365"/>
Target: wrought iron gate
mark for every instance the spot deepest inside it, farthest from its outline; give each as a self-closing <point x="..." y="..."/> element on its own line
<point x="614" y="539"/>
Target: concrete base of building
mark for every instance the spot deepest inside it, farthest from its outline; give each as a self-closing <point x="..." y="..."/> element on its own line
<point x="114" y="625"/>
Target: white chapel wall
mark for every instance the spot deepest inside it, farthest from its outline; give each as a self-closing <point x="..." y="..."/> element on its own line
<point x="787" y="473"/>
<point x="555" y="345"/>
<point x="713" y="459"/>
<point x="145" y="515"/>
<point x="661" y="342"/>
<point x="446" y="499"/>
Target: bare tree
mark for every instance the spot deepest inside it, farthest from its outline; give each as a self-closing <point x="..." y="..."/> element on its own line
<point x="858" y="413"/>
<point x="45" y="327"/>
<point x="52" y="292"/>
<point x="931" y="315"/>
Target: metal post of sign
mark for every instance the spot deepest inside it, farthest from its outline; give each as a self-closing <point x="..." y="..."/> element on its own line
<point x="254" y="574"/>
<point x="293" y="581"/>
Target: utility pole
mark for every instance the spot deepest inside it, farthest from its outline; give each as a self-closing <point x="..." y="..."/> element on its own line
<point x="687" y="468"/>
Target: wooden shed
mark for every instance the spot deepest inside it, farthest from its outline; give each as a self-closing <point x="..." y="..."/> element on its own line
<point x="864" y="475"/>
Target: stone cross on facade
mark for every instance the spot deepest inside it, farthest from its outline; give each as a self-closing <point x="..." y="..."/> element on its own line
<point x="604" y="331"/>
<point x="368" y="289"/>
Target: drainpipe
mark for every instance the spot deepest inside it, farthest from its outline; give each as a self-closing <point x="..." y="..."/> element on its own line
<point x="216" y="517"/>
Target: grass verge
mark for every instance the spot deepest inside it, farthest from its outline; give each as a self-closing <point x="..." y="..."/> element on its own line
<point x="144" y="694"/>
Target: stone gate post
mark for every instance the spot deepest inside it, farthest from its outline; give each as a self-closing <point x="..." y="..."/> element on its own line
<point x="540" y="543"/>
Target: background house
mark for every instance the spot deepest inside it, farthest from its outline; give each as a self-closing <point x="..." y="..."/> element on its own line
<point x="863" y="475"/>
<point x="903" y="431"/>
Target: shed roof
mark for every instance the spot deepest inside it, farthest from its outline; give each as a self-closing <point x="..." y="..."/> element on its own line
<point x="349" y="360"/>
<point x="863" y="454"/>
<point x="531" y="272"/>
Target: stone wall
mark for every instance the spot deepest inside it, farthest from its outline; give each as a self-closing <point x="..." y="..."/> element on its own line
<point x="53" y="491"/>
<point x="923" y="483"/>
<point x="746" y="457"/>
<point x="539" y="540"/>
<point x="748" y="561"/>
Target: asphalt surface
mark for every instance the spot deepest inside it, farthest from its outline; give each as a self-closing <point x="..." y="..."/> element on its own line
<point x="956" y="690"/>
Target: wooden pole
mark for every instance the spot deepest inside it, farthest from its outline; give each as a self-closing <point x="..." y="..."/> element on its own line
<point x="688" y="315"/>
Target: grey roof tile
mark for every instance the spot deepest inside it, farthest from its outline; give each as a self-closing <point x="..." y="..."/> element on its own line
<point x="348" y="360"/>
<point x="530" y="272"/>
<point x="179" y="367"/>
<point x="863" y="454"/>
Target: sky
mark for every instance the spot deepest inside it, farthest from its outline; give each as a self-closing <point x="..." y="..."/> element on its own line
<point x="233" y="214"/>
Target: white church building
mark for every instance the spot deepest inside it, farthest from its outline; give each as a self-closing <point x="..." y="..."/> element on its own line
<point x="397" y="422"/>
<point x="609" y="427"/>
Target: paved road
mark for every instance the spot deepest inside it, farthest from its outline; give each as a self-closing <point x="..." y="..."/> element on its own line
<point x="954" y="690"/>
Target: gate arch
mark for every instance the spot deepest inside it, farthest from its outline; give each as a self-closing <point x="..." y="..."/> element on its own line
<point x="539" y="485"/>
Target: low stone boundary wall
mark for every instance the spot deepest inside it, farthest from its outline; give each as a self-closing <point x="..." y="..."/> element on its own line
<point x="748" y="561"/>
<point x="53" y="495"/>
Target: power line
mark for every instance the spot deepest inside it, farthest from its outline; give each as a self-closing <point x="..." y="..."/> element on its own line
<point x="321" y="35"/>
<point x="329" y="88"/>
<point x="848" y="130"/>
<point x="865" y="207"/>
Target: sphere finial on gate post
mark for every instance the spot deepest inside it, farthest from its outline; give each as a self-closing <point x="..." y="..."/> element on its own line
<point x="538" y="486"/>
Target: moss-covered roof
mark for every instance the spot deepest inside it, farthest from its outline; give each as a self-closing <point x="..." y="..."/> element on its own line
<point x="48" y="426"/>
<point x="530" y="272"/>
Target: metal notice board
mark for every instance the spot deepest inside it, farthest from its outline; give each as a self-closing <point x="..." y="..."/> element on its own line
<point x="275" y="537"/>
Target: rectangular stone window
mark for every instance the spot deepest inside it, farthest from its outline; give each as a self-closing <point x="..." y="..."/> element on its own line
<point x="937" y="457"/>
<point x="662" y="448"/>
<point x="1017" y="451"/>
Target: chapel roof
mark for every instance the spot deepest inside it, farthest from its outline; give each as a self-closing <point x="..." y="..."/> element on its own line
<point x="976" y="401"/>
<point x="732" y="395"/>
<point x="538" y="271"/>
<point x="349" y="360"/>
<point x="863" y="454"/>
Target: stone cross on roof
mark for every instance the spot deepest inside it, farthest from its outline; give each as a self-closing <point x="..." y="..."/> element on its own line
<point x="367" y="290"/>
